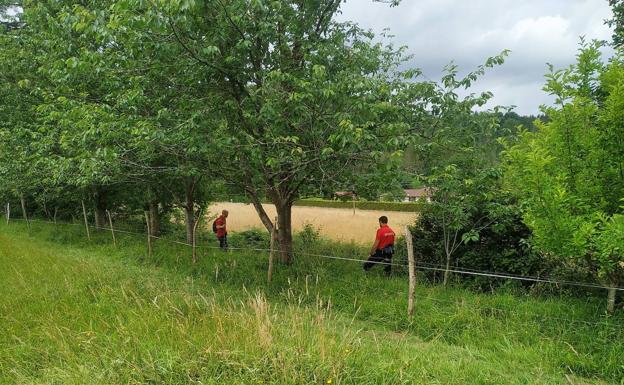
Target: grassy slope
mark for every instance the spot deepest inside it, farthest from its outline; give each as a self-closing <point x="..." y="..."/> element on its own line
<point x="72" y="313"/>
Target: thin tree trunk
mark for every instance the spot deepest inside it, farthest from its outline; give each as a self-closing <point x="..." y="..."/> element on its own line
<point x="446" y="271"/>
<point x="45" y="210"/>
<point x="190" y="223"/>
<point x="100" y="210"/>
<point x="611" y="296"/>
<point x="264" y="217"/>
<point x="55" y="212"/>
<point x="155" y="218"/>
<point x="189" y="215"/>
<point x="23" y="201"/>
<point x="149" y="236"/>
<point x="284" y="231"/>
<point x="8" y="212"/>
<point x="100" y="218"/>
<point x="197" y="219"/>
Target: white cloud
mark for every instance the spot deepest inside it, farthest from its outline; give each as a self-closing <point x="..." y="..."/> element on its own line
<point x="467" y="32"/>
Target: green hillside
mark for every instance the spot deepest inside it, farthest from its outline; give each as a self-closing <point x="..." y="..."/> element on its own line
<point x="73" y="312"/>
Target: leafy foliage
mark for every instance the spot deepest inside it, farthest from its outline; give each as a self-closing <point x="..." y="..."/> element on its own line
<point x="617" y="22"/>
<point x="569" y="173"/>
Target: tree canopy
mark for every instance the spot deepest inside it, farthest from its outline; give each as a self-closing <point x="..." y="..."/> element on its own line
<point x="570" y="172"/>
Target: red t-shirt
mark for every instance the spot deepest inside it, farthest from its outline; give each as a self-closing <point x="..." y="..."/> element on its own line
<point x="221" y="231"/>
<point x="385" y="236"/>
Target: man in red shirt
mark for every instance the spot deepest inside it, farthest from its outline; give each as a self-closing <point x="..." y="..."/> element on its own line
<point x="383" y="248"/>
<point x="220" y="224"/>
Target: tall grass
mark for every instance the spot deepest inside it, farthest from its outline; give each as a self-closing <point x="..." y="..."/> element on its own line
<point x="78" y="312"/>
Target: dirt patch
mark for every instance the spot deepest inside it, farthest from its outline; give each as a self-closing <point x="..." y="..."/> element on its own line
<point x="336" y="224"/>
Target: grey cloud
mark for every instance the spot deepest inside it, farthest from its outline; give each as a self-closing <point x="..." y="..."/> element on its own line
<point x="467" y="32"/>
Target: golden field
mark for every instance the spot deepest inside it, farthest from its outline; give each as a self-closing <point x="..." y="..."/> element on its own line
<point x="336" y="224"/>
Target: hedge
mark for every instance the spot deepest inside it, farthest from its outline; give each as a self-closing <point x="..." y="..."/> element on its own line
<point x="362" y="205"/>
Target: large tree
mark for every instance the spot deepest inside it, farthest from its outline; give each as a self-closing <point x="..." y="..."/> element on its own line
<point x="306" y="100"/>
<point x="570" y="172"/>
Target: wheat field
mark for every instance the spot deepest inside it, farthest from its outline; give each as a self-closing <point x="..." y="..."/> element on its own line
<point x="336" y="224"/>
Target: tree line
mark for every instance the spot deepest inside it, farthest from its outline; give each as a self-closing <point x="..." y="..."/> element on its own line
<point x="161" y="106"/>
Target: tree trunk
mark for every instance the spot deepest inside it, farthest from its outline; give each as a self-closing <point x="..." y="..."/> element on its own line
<point x="611" y="298"/>
<point x="100" y="219"/>
<point x="189" y="215"/>
<point x="45" y="210"/>
<point x="284" y="231"/>
<point x="264" y="217"/>
<point x="23" y="201"/>
<point x="154" y="218"/>
<point x="284" y="222"/>
<point x="100" y="211"/>
<point x="446" y="271"/>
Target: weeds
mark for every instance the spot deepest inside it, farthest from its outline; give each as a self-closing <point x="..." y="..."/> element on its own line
<point x="88" y="313"/>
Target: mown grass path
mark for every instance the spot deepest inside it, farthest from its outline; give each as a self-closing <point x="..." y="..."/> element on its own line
<point x="76" y="313"/>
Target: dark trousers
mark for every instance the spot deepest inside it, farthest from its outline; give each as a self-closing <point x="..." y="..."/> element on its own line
<point x="223" y="244"/>
<point x="379" y="258"/>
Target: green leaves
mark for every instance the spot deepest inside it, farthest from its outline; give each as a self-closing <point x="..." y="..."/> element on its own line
<point x="568" y="172"/>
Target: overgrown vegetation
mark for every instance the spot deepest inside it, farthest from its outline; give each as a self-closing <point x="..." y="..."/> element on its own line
<point x="78" y="312"/>
<point x="142" y="113"/>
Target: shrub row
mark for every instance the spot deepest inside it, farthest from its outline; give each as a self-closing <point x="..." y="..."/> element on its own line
<point x="362" y="205"/>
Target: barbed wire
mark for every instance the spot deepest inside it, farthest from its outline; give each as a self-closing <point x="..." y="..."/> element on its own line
<point x="350" y="282"/>
<point x="418" y="266"/>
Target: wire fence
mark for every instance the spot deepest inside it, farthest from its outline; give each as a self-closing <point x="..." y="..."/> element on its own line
<point x="377" y="289"/>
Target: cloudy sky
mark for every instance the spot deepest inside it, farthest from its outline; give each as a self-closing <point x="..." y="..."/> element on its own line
<point x="468" y="31"/>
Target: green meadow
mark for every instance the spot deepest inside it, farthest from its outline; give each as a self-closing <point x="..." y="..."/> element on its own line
<point x="79" y="312"/>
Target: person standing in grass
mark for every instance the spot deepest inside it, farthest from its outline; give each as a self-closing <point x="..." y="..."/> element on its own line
<point x="220" y="228"/>
<point x="383" y="248"/>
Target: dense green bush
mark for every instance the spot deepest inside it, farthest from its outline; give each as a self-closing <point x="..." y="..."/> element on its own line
<point x="502" y="247"/>
<point x="361" y="205"/>
<point x="254" y="239"/>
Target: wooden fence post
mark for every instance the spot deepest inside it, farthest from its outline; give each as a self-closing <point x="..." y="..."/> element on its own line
<point x="199" y="215"/>
<point x="412" y="272"/>
<point x="149" y="235"/>
<point x="86" y="222"/>
<point x="272" y="250"/>
<point x="8" y="212"/>
<point x="110" y="222"/>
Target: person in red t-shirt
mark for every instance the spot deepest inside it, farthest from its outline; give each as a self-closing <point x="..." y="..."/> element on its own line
<point x="220" y="225"/>
<point x="383" y="248"/>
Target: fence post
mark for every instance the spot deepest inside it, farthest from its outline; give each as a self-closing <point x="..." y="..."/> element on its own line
<point x="412" y="272"/>
<point x="110" y="222"/>
<point x="272" y="251"/>
<point x="199" y="215"/>
<point x="86" y="222"/>
<point x="8" y="212"/>
<point x="149" y="235"/>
